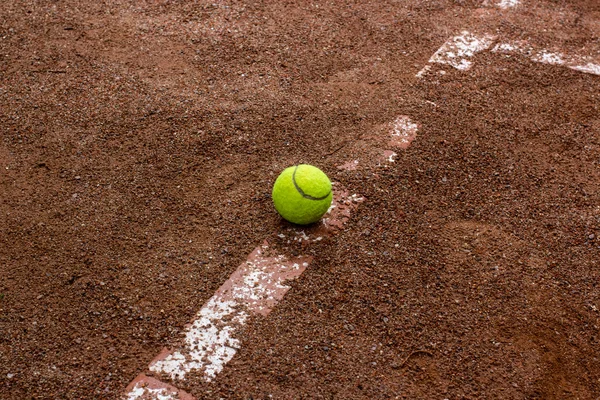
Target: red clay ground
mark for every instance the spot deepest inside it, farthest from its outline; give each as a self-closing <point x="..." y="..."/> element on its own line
<point x="139" y="143"/>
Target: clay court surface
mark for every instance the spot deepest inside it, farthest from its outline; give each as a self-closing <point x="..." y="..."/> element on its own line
<point x="139" y="144"/>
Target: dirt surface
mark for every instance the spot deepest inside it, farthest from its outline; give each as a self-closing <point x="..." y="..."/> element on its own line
<point x="139" y="143"/>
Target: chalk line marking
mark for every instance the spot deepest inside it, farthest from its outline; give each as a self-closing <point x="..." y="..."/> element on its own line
<point x="503" y="4"/>
<point x="387" y="156"/>
<point x="458" y="50"/>
<point x="335" y="218"/>
<point x="578" y="63"/>
<point x="145" y="387"/>
<point x="397" y="134"/>
<point x="212" y="339"/>
<point x="341" y="209"/>
<point x="506" y="4"/>
<point x="403" y="132"/>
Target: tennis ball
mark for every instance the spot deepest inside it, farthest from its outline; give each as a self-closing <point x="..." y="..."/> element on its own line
<point x="302" y="194"/>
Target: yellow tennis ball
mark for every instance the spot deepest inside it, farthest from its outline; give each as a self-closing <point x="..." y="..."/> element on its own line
<point x="302" y="194"/>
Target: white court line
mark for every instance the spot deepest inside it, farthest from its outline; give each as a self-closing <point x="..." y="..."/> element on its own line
<point x="577" y="63"/>
<point x="139" y="390"/>
<point x="403" y="132"/>
<point x="457" y="52"/>
<point x="506" y="4"/>
<point x="503" y="4"/>
<point x="147" y="388"/>
<point x="211" y="340"/>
